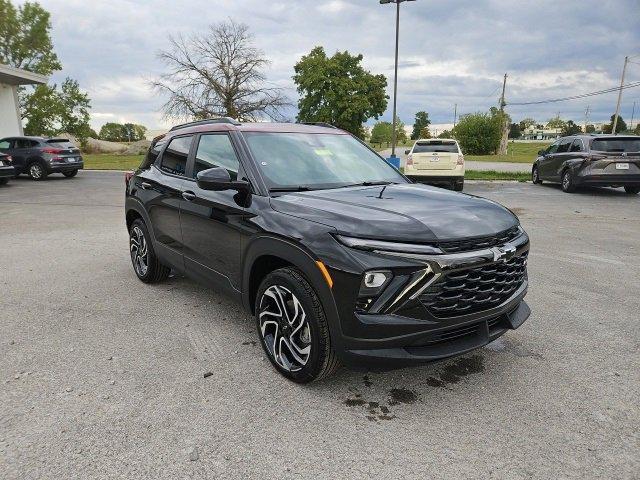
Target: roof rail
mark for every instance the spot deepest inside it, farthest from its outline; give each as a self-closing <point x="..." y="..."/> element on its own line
<point x="207" y="121"/>
<point x="319" y="124"/>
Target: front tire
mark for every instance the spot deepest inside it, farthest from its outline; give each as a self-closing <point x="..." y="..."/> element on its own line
<point x="70" y="174"/>
<point x="632" y="190"/>
<point x="567" y="182"/>
<point x="293" y="328"/>
<point x="37" y="171"/>
<point x="145" y="262"/>
<point x="535" y="176"/>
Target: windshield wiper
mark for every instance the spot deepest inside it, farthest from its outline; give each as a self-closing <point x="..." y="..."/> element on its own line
<point x="297" y="188"/>
<point x="369" y="184"/>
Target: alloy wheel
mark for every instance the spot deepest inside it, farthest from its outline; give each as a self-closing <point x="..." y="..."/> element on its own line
<point x="536" y="178"/>
<point x="284" y="328"/>
<point x="139" y="251"/>
<point x="566" y="181"/>
<point x="35" y="170"/>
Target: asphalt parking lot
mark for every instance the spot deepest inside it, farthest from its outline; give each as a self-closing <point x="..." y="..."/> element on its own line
<point x="102" y="376"/>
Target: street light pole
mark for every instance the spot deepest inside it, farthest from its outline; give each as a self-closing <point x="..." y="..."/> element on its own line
<point x="394" y="137"/>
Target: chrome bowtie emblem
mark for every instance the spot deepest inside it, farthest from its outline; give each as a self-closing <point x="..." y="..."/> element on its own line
<point x="503" y="254"/>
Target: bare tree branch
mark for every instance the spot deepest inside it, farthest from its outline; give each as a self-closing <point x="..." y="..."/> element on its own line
<point x="219" y="73"/>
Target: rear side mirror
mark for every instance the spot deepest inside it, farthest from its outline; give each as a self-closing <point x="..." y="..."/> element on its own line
<point x="218" y="179"/>
<point x="407" y="152"/>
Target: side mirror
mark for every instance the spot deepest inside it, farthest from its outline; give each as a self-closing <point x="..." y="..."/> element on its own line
<point x="541" y="152"/>
<point x="218" y="179"/>
<point x="407" y="152"/>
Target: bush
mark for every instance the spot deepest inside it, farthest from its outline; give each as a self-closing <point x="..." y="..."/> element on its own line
<point x="478" y="133"/>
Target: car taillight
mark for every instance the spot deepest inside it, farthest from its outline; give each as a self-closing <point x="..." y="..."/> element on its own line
<point x="410" y="160"/>
<point x="127" y="176"/>
<point x="8" y="159"/>
<point x="52" y="151"/>
<point x="460" y="160"/>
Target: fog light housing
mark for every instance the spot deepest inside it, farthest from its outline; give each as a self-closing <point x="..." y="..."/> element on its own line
<point x="372" y="285"/>
<point x="374" y="279"/>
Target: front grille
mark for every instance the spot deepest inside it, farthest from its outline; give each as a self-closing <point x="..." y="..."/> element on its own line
<point x="476" y="289"/>
<point x="479" y="243"/>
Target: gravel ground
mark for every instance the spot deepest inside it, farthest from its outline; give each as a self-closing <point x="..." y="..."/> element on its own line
<point x="103" y="376"/>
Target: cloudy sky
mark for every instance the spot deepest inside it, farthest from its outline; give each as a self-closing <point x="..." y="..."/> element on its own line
<point x="451" y="51"/>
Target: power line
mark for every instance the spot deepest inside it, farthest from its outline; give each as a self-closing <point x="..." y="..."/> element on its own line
<point x="575" y="97"/>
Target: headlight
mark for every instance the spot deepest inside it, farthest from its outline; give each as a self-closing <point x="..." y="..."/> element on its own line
<point x="384" y="246"/>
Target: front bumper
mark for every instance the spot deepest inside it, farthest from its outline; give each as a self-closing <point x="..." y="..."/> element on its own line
<point x="7" y="171"/>
<point x="405" y="332"/>
<point x="64" y="167"/>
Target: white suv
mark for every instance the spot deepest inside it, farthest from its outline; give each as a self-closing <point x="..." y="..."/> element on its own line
<point x="436" y="160"/>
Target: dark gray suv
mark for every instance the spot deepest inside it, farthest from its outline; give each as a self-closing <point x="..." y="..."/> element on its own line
<point x="39" y="157"/>
<point x="591" y="160"/>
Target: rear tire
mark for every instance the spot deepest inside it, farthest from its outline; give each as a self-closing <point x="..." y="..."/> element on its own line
<point x="458" y="186"/>
<point x="632" y="190"/>
<point x="293" y="328"/>
<point x="535" y="176"/>
<point x="36" y="171"/>
<point x="70" y="174"/>
<point x="145" y="262"/>
<point x="567" y="182"/>
<point x="4" y="181"/>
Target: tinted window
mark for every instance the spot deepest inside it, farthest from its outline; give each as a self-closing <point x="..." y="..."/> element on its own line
<point x="553" y="148"/>
<point x="436" y="146"/>
<point x="216" y="151"/>
<point x="24" y="143"/>
<point x="576" y="146"/>
<point x="60" y="143"/>
<point x="317" y="160"/>
<point x="174" y="158"/>
<point x="5" y="144"/>
<point x="616" y="144"/>
<point x="564" y="146"/>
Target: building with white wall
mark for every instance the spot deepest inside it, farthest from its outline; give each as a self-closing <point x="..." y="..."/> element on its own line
<point x="10" y="79"/>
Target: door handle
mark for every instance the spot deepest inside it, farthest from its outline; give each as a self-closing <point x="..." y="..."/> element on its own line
<point x="189" y="196"/>
<point x="146" y="185"/>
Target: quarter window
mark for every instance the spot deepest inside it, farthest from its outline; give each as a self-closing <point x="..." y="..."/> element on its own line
<point x="5" y="144"/>
<point x="174" y="158"/>
<point x="216" y="151"/>
<point x="576" y="146"/>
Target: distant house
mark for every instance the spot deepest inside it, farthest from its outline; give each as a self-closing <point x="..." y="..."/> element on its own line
<point x="10" y="79"/>
<point x="534" y="133"/>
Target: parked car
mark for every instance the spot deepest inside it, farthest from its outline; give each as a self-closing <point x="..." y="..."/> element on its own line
<point x="437" y="161"/>
<point x="339" y="256"/>
<point x="39" y="157"/>
<point x="590" y="160"/>
<point x="6" y="168"/>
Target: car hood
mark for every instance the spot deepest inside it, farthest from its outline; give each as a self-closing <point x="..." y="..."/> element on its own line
<point x="408" y="212"/>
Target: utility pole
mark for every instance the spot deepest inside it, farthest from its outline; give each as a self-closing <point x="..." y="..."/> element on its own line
<point x="395" y="78"/>
<point x="586" y="118"/>
<point x="455" y="114"/>
<point x="633" y="114"/>
<point x="615" y="118"/>
<point x="502" y="150"/>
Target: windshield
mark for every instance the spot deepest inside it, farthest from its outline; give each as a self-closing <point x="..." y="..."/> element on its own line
<point x="616" y="145"/>
<point x="422" y="147"/>
<point x="315" y="161"/>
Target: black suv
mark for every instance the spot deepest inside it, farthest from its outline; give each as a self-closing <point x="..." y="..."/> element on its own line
<point x="339" y="257"/>
<point x="591" y="160"/>
<point x="6" y="168"/>
<point x="38" y="156"/>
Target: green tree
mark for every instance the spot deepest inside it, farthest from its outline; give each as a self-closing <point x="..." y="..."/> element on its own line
<point x="478" y="133"/>
<point x="49" y="110"/>
<point x="636" y="131"/>
<point x="526" y="123"/>
<point x="381" y="133"/>
<point x="514" y="130"/>
<point x="419" y="124"/>
<point x="401" y="133"/>
<point x="620" y="127"/>
<point x="446" y="134"/>
<point x="25" y="39"/>
<point x="556" y="123"/>
<point x="338" y="90"/>
<point x="425" y="133"/>
<point x="590" y="129"/>
<point x="117" y="132"/>
<point x="570" y="128"/>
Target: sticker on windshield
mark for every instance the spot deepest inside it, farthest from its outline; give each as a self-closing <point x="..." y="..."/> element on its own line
<point x="323" y="152"/>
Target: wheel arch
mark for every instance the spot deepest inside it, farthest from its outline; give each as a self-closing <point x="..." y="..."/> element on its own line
<point x="268" y="253"/>
<point x="134" y="209"/>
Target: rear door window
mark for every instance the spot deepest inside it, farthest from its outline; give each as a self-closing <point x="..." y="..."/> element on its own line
<point x="174" y="158"/>
<point x="616" y="145"/>
<point x="24" y="143"/>
<point x="436" y="146"/>
<point x="216" y="151"/>
<point x="576" y="146"/>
